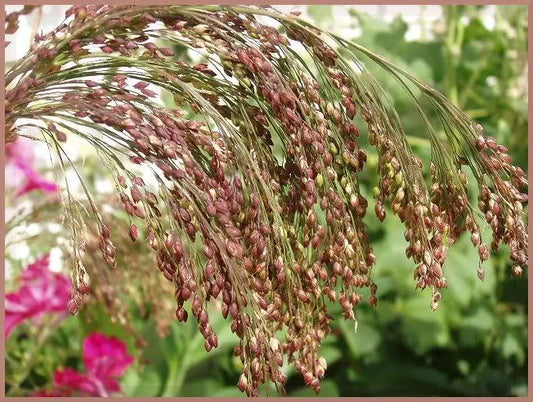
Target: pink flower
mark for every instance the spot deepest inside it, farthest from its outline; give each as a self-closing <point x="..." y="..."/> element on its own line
<point x="42" y="291"/>
<point x="21" y="151"/>
<point x="106" y="359"/>
<point x="34" y="181"/>
<point x="19" y="169"/>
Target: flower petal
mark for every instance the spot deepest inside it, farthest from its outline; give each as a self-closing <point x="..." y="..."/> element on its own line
<point x="105" y="357"/>
<point x="43" y="291"/>
<point x="69" y="380"/>
<point x="20" y="157"/>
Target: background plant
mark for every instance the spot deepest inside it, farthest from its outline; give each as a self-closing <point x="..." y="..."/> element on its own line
<point x="388" y="220"/>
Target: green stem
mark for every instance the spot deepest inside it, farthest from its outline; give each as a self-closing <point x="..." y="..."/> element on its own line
<point x="179" y="368"/>
<point x="177" y="377"/>
<point x="423" y="142"/>
<point x="452" y="49"/>
<point x="477" y="113"/>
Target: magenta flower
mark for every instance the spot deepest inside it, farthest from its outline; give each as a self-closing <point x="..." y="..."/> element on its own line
<point x="106" y="360"/>
<point x="34" y="181"/>
<point x="19" y="169"/>
<point x="42" y="291"/>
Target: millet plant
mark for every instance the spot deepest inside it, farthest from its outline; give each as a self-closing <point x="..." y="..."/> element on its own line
<point x="257" y="156"/>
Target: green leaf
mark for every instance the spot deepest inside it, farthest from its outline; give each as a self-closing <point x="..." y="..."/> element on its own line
<point x="129" y="382"/>
<point x="149" y="383"/>
<point x="422" y="328"/>
<point x="403" y="378"/>
<point x="512" y="347"/>
<point x="331" y="353"/>
<point x="202" y="387"/>
<point x="365" y="341"/>
<point x="475" y="328"/>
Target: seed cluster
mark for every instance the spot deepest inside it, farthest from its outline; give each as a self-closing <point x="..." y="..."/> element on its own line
<point x="111" y="288"/>
<point x="259" y="206"/>
<point x="502" y="202"/>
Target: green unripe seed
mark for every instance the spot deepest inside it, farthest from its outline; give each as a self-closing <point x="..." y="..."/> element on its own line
<point x="319" y="180"/>
<point x="398" y="178"/>
<point x="245" y="82"/>
<point x="344" y="181"/>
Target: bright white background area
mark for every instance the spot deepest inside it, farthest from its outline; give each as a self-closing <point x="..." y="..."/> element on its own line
<point x="418" y="18"/>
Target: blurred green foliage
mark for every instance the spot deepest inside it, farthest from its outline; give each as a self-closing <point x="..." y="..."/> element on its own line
<point x="475" y="344"/>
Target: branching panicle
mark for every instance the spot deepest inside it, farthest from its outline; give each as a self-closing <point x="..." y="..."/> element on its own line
<point x="259" y="205"/>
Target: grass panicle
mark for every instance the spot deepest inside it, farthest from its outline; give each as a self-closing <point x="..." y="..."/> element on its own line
<point x="257" y="158"/>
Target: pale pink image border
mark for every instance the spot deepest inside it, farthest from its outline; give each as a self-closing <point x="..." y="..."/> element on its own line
<point x="273" y="2"/>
